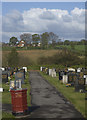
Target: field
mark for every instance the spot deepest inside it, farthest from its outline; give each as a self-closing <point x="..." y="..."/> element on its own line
<point x="31" y="55"/>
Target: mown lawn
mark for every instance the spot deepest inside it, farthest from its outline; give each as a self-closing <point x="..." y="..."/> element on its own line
<point x="6" y="96"/>
<point x="76" y="98"/>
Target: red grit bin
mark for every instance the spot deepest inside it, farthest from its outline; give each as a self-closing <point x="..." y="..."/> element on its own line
<point x="19" y="101"/>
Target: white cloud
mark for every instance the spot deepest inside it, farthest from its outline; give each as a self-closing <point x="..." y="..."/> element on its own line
<point x="37" y="20"/>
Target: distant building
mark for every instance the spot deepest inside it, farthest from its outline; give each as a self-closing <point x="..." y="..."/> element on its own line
<point x="21" y="43"/>
<point x="39" y="44"/>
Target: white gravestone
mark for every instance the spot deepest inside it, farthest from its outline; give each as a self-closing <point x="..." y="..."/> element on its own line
<point x="65" y="79"/>
<point x="1" y="89"/>
<point x="79" y="70"/>
<point x="3" y="69"/>
<point x="25" y="69"/>
<point x="85" y="76"/>
<point x="40" y="68"/>
<point x="12" y="84"/>
<point x="50" y="71"/>
<point x="53" y="74"/>
<point x="71" y="69"/>
<point x="18" y="83"/>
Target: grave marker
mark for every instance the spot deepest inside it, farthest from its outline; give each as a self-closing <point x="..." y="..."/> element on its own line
<point x="4" y="76"/>
<point x="12" y="85"/>
<point x="40" y="68"/>
<point x="50" y="71"/>
<point x="65" y="79"/>
<point x="23" y="71"/>
<point x="79" y="84"/>
<point x="25" y="68"/>
<point x="19" y="75"/>
<point x="53" y="74"/>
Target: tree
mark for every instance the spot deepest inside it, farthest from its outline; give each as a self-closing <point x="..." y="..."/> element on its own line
<point x="13" y="41"/>
<point x="13" y="58"/>
<point x="44" y="40"/>
<point x="72" y="45"/>
<point x="35" y="38"/>
<point x="27" y="37"/>
<point x="66" y="42"/>
<point x="53" y="37"/>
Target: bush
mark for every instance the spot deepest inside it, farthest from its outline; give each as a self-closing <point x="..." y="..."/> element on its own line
<point x="63" y="58"/>
<point x="24" y="61"/>
<point x="13" y="58"/>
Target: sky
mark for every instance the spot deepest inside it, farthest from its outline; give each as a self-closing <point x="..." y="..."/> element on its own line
<point x="66" y="19"/>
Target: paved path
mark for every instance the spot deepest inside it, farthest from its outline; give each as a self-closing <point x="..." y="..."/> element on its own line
<point x="47" y="101"/>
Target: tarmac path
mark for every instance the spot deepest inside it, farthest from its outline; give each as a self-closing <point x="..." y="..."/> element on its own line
<point x="47" y="101"/>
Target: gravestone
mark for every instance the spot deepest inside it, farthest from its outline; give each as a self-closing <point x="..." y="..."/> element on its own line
<point x="72" y="77"/>
<point x="79" y="84"/>
<point x="85" y="77"/>
<point x="65" y="79"/>
<point x="18" y="84"/>
<point x="1" y="89"/>
<point x="61" y="74"/>
<point x="79" y="70"/>
<point x="71" y="69"/>
<point x="3" y="69"/>
<point x="53" y="73"/>
<point x="4" y="76"/>
<point x="19" y="76"/>
<point x="40" y="68"/>
<point x="23" y="71"/>
<point x="12" y="85"/>
<point x="43" y="69"/>
<point x="47" y="72"/>
<point x="60" y="77"/>
<point x="50" y="71"/>
<point x="25" y="68"/>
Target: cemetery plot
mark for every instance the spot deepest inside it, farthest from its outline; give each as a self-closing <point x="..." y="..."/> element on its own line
<point x="6" y="96"/>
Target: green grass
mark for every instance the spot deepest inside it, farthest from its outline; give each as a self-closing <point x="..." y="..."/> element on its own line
<point x="77" y="48"/>
<point x="6" y="96"/>
<point x="76" y="98"/>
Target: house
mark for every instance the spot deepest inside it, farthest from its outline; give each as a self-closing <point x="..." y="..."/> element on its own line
<point x="21" y="43"/>
<point x="39" y="44"/>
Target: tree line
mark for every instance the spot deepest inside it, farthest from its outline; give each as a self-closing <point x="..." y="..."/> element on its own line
<point x="46" y="39"/>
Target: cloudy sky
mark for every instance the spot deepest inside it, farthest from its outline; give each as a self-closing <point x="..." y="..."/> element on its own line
<point x="66" y="19"/>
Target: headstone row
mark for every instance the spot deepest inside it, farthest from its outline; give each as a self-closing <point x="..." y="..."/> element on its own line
<point x="50" y="72"/>
<point x="74" y="77"/>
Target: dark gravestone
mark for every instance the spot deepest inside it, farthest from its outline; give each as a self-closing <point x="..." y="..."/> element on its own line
<point x="61" y="73"/>
<point x="23" y="71"/>
<point x="72" y="78"/>
<point x="19" y="76"/>
<point x="79" y="84"/>
<point x="43" y="69"/>
<point x="47" y="70"/>
<point x="4" y="76"/>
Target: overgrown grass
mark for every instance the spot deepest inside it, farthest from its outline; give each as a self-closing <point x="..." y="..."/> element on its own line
<point x="76" y="98"/>
<point x="6" y="96"/>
